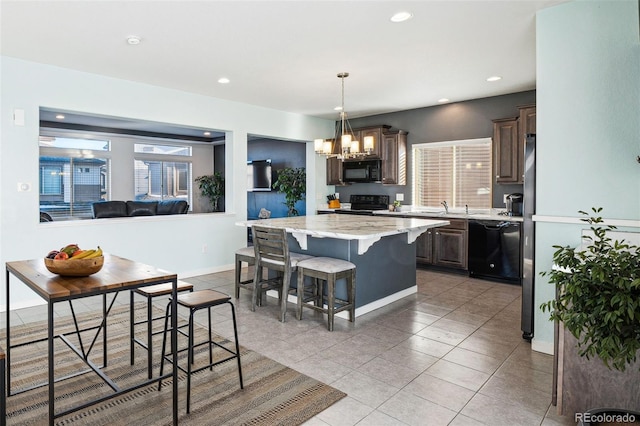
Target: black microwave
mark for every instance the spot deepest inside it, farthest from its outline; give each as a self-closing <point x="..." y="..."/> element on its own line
<point x="362" y="171"/>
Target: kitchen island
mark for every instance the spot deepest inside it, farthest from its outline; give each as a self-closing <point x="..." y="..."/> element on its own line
<point x="382" y="248"/>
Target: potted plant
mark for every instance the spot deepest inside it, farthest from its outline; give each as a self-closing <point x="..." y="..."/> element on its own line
<point x="598" y="298"/>
<point x="293" y="183"/>
<point x="212" y="187"/>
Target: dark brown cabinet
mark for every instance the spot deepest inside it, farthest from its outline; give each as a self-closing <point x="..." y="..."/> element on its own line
<point x="444" y="246"/>
<point x="359" y="134"/>
<point x="526" y="124"/>
<point x="505" y="150"/>
<point x="394" y="158"/>
<point x="508" y="144"/>
<point x="424" y="248"/>
<point x="376" y="134"/>
<point x="388" y="146"/>
<point x="334" y="171"/>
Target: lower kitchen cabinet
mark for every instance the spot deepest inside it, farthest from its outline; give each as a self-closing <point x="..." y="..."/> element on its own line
<point x="424" y="247"/>
<point x="444" y="246"/>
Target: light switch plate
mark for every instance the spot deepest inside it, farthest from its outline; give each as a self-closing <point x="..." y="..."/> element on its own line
<point x="504" y="198"/>
<point x="18" y="117"/>
<point x="399" y="197"/>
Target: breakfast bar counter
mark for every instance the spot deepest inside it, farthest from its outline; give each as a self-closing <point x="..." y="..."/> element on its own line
<point x="382" y="248"/>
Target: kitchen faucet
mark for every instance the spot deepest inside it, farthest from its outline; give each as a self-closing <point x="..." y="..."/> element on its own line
<point x="446" y="207"/>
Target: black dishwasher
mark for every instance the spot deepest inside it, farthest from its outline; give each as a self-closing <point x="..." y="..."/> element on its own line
<point x="494" y="250"/>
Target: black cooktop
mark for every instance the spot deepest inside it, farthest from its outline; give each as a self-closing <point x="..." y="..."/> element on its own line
<point x="369" y="202"/>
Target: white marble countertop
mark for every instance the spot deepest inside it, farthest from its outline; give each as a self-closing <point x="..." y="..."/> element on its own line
<point x="366" y="229"/>
<point x="487" y="214"/>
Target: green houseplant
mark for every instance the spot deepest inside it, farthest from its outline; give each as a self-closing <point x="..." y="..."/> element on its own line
<point x="293" y="183"/>
<point x="212" y="187"/>
<point x="599" y="295"/>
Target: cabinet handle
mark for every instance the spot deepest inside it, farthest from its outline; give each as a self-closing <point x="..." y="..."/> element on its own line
<point x="497" y="176"/>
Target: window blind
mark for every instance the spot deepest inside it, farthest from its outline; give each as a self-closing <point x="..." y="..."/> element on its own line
<point x="458" y="172"/>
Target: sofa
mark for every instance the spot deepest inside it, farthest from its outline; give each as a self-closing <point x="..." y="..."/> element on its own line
<point x="107" y="209"/>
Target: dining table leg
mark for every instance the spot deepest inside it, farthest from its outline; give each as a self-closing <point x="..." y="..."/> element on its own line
<point x="8" y="325"/>
<point x="174" y="346"/>
<point x="104" y="328"/>
<point x="52" y="410"/>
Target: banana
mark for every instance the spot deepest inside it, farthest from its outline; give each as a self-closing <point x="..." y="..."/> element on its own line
<point x="84" y="254"/>
<point x="96" y="253"/>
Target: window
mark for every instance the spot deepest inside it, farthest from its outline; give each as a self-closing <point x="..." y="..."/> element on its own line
<point x="458" y="172"/>
<point x="159" y="178"/>
<point x="81" y="166"/>
<point x="73" y="175"/>
<point x="153" y="148"/>
<point x="50" y="179"/>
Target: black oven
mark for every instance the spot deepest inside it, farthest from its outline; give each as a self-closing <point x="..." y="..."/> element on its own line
<point x="362" y="171"/>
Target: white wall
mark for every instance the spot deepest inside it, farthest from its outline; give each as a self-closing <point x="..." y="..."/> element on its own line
<point x="588" y="127"/>
<point x="172" y="243"/>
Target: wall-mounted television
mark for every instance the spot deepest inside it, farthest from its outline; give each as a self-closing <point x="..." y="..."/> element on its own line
<point x="259" y="175"/>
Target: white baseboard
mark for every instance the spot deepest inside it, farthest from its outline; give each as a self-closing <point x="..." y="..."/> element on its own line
<point x="544" y="347"/>
<point x="362" y="309"/>
<point x="205" y="271"/>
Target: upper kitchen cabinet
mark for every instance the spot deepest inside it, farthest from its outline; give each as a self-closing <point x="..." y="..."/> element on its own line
<point x="334" y="171"/>
<point x="506" y="150"/>
<point x="508" y="144"/>
<point x="394" y="157"/>
<point x="358" y="134"/>
<point x="376" y="133"/>
<point x="526" y="124"/>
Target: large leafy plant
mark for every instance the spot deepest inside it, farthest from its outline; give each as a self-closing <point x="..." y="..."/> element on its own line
<point x="598" y="300"/>
<point x="212" y="187"/>
<point x="293" y="183"/>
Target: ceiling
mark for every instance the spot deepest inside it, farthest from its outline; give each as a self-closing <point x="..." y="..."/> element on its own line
<point x="285" y="55"/>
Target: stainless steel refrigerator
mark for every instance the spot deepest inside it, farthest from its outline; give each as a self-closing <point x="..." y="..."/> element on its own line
<point x="528" y="236"/>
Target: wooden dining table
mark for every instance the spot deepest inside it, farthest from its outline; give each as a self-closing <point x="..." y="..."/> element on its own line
<point x="117" y="274"/>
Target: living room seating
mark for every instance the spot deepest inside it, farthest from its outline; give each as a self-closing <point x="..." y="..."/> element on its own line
<point x="108" y="209"/>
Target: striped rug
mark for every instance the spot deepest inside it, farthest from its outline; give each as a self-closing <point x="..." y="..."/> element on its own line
<point x="273" y="394"/>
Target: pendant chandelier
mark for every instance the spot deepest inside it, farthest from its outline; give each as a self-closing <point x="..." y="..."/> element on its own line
<point x="349" y="146"/>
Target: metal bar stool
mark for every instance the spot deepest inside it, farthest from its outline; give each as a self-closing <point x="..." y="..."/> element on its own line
<point x="328" y="270"/>
<point x="3" y="391"/>
<point x="202" y="299"/>
<point x="149" y="292"/>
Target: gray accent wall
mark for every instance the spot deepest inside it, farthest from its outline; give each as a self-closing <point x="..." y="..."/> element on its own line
<point x="453" y="121"/>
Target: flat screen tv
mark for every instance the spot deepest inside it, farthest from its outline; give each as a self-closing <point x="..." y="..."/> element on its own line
<point x="259" y="175"/>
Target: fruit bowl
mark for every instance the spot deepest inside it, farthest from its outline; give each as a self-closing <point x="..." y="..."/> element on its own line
<point x="74" y="267"/>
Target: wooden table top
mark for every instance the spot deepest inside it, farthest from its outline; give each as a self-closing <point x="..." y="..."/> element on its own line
<point x="117" y="273"/>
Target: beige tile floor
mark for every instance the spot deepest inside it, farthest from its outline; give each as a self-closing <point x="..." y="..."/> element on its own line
<point x="451" y="354"/>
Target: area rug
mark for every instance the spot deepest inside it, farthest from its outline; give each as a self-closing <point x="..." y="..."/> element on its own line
<point x="273" y="394"/>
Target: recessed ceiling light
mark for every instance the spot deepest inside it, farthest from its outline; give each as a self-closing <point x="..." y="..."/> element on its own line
<point x="401" y="17"/>
<point x="494" y="78"/>
<point x="60" y="117"/>
<point x="223" y="80"/>
<point x="133" y="40"/>
<point x="207" y="133"/>
<point x="442" y="100"/>
<point x="338" y="108"/>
